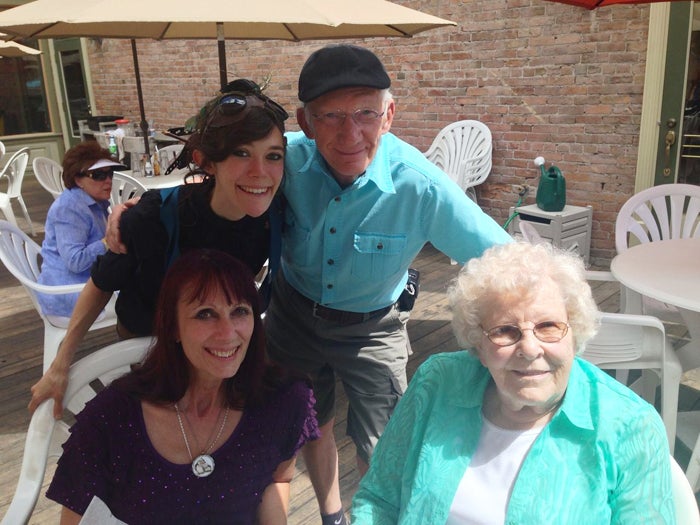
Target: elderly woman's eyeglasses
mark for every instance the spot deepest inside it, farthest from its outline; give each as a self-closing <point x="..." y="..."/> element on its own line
<point x="229" y="109"/>
<point x="509" y="334"/>
<point x="362" y="117"/>
<point x="100" y="175"/>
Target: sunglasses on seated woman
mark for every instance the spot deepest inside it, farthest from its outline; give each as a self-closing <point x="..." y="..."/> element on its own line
<point x="100" y="174"/>
<point x="509" y="334"/>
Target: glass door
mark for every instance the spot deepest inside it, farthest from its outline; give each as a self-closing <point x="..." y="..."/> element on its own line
<point x="671" y="139"/>
<point x="72" y="86"/>
<point x="689" y="166"/>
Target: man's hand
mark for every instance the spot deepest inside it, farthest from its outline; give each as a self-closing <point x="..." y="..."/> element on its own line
<point x="113" y="236"/>
<point x="51" y="386"/>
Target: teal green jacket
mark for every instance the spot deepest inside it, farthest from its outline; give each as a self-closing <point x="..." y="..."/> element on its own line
<point x="603" y="458"/>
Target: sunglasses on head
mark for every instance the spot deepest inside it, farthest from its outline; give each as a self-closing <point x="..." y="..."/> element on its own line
<point x="230" y="108"/>
<point x="100" y="174"/>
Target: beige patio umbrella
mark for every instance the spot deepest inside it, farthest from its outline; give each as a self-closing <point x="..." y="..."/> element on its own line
<point x="214" y="19"/>
<point x="14" y="50"/>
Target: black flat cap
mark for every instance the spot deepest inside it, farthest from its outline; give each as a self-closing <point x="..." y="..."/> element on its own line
<point x="340" y="66"/>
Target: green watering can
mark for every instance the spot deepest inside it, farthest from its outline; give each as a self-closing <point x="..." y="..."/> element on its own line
<point x="551" y="191"/>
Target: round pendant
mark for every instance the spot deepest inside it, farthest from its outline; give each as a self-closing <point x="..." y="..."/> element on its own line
<point x="203" y="465"/>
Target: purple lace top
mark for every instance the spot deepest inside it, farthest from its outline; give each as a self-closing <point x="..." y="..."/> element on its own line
<point x="110" y="456"/>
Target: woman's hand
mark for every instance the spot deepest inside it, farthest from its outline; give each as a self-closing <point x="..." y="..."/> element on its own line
<point x="113" y="236"/>
<point x="52" y="385"/>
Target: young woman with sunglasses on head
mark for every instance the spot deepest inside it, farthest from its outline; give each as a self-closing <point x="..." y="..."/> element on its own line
<point x="76" y="223"/>
<point x="238" y="148"/>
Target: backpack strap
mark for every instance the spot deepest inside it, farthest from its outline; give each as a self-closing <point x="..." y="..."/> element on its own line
<point x="170" y="220"/>
<point x="276" y="215"/>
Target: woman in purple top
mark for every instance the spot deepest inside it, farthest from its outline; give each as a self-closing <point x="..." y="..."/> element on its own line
<point x="205" y="430"/>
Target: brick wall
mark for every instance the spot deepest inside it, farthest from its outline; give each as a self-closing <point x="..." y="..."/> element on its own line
<point x="548" y="79"/>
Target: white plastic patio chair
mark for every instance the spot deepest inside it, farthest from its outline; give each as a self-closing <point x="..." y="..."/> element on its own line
<point x="2" y="149"/>
<point x="49" y="174"/>
<point x="46" y="435"/>
<point x="683" y="497"/>
<point x="124" y="187"/>
<point x="638" y="342"/>
<point x="463" y="151"/>
<point x="14" y="171"/>
<point x="668" y="211"/>
<point x="167" y="154"/>
<point x="21" y="255"/>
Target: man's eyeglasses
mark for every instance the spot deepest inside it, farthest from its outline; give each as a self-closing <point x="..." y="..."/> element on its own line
<point x="362" y="117"/>
<point x="509" y="334"/>
<point x="100" y="174"/>
<point x="229" y="109"/>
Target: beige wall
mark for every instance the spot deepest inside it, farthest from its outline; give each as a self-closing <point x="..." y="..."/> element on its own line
<point x="548" y="79"/>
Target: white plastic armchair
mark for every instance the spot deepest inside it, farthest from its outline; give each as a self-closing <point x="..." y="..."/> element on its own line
<point x="49" y="174"/>
<point x="124" y="187"/>
<point x="668" y="211"/>
<point x="46" y="435"/>
<point x="463" y="151"/>
<point x="638" y="342"/>
<point x="683" y="497"/>
<point x="21" y="255"/>
<point x="14" y="171"/>
<point x="167" y="154"/>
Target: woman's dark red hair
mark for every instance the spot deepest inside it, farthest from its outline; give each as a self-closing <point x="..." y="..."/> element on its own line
<point x="165" y="374"/>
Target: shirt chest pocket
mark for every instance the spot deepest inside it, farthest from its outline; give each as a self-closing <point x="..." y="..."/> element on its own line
<point x="377" y="255"/>
<point x="296" y="244"/>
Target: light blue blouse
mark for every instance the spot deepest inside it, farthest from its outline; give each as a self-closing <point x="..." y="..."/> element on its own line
<point x="75" y="227"/>
<point x="350" y="248"/>
<point x="603" y="458"/>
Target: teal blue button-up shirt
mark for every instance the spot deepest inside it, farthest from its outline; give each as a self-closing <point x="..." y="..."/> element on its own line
<point x="603" y="458"/>
<point x="350" y="248"/>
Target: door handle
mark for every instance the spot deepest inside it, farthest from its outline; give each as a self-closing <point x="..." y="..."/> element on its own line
<point x="670" y="141"/>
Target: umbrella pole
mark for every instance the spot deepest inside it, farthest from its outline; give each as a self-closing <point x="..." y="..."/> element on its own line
<point x="222" y="53"/>
<point x="139" y="92"/>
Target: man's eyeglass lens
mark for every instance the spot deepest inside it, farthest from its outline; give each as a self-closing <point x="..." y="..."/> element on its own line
<point x="360" y="116"/>
<point x="509" y="334"/>
<point x="100" y="175"/>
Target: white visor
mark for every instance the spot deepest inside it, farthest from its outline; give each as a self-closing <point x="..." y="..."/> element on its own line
<point x="103" y="163"/>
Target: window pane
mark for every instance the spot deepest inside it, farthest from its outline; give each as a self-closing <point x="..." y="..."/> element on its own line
<point x="74" y="88"/>
<point x="23" y="107"/>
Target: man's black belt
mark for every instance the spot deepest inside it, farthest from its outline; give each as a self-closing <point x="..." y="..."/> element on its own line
<point x="340" y="316"/>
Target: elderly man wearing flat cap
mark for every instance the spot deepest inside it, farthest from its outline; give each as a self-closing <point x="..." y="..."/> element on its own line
<point x="361" y="203"/>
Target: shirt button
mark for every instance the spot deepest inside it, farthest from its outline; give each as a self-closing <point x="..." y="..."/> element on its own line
<point x="380" y="246"/>
<point x="329" y="286"/>
<point x="332" y="230"/>
<point x="330" y="262"/>
<point x="337" y="199"/>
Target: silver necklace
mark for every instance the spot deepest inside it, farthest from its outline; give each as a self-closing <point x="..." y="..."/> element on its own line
<point x="202" y="465"/>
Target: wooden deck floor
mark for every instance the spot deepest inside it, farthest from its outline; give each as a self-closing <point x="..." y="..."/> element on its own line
<point x="21" y="334"/>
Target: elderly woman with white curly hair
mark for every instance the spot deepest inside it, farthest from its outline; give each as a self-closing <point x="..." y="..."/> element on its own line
<point x="519" y="429"/>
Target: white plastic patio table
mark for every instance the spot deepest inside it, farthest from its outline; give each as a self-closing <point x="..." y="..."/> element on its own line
<point x="176" y="178"/>
<point x="668" y="271"/>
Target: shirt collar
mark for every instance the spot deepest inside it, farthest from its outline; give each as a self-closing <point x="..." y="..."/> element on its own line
<point x="577" y="403"/>
<point x="575" y="407"/>
<point x="379" y="170"/>
<point x="83" y="196"/>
